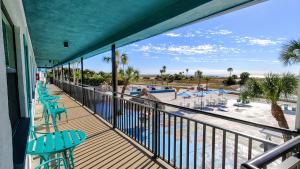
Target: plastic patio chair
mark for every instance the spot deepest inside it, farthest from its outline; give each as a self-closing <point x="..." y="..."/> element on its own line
<point x="54" y="111"/>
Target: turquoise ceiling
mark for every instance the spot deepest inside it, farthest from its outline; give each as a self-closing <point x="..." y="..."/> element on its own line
<point x="91" y="26"/>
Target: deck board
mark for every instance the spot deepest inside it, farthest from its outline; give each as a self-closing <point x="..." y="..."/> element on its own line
<point x="104" y="146"/>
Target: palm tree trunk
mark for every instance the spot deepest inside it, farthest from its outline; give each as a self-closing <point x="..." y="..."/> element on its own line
<point x="123" y="89"/>
<point x="279" y="116"/>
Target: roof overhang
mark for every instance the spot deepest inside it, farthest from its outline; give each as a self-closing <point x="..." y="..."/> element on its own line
<point x="90" y="27"/>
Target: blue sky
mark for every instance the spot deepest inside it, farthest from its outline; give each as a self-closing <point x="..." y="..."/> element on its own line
<point x="249" y="39"/>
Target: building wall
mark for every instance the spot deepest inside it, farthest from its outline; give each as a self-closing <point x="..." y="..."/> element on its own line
<point x="16" y="12"/>
<point x="5" y="133"/>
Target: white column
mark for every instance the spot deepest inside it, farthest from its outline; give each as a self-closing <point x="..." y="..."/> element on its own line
<point x="297" y="121"/>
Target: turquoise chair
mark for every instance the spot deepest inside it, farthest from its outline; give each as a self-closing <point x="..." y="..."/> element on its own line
<point x="54" y="111"/>
<point x="34" y="134"/>
<point x="54" y="163"/>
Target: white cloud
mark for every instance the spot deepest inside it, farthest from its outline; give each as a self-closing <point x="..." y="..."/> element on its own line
<point x="179" y="49"/>
<point x="189" y="35"/>
<point x="187" y="50"/>
<point x="220" y="32"/>
<point x="193" y="33"/>
<point x="172" y="34"/>
<point x="258" y="41"/>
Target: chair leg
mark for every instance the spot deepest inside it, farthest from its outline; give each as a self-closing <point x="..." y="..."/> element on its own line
<point x="72" y="157"/>
<point x="67" y="116"/>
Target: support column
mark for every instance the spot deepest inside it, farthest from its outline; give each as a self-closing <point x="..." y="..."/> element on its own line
<point x="53" y="73"/>
<point x="114" y="84"/>
<point x="62" y="77"/>
<point x="69" y="74"/>
<point x="297" y="121"/>
<point x="82" y="81"/>
<point x="53" y="76"/>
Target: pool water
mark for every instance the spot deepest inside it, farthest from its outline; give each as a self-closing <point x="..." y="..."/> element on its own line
<point x="129" y="118"/>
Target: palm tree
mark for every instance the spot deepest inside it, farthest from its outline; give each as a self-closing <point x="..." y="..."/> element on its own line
<point x="124" y="60"/>
<point x="164" y="68"/>
<point x="198" y="76"/>
<point x="272" y="87"/>
<point x="187" y="71"/>
<point x="287" y="56"/>
<point x="230" y="70"/>
<point x="128" y="76"/>
<point x="207" y="79"/>
<point x="161" y="72"/>
<point x="120" y="59"/>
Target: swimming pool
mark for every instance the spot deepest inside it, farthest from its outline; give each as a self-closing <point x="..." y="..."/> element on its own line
<point x="178" y="137"/>
<point x="153" y="91"/>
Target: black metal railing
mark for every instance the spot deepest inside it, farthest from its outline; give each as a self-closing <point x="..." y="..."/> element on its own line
<point x="291" y="146"/>
<point x="181" y="141"/>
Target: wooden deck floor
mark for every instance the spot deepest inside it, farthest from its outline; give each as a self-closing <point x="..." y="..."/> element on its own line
<point x="104" y="147"/>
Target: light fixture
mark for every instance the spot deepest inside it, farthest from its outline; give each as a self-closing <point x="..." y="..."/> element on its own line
<point x="66" y="44"/>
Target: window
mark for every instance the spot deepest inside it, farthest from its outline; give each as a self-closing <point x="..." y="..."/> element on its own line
<point x="11" y="72"/>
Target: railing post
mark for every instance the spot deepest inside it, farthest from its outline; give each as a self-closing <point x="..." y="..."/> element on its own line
<point x="62" y="77"/>
<point x="69" y="74"/>
<point x="82" y="90"/>
<point x="155" y="131"/>
<point x="114" y="84"/>
<point x="94" y="100"/>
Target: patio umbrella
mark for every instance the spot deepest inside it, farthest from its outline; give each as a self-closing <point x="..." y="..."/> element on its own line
<point x="184" y="95"/>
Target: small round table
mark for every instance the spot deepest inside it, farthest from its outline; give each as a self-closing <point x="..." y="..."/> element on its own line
<point x="56" y="142"/>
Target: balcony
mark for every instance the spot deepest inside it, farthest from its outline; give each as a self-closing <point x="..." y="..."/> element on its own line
<point x="104" y="147"/>
<point x="150" y="135"/>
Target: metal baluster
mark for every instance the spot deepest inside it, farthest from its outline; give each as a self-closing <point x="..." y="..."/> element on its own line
<point x="174" y="155"/>
<point x="145" y="123"/>
<point x="203" y="145"/>
<point x="164" y="135"/>
<point x="187" y="144"/>
<point x="158" y="133"/>
<point x="250" y="149"/>
<point x="94" y="100"/>
<point x="136" y="115"/>
<point x="149" y="128"/>
<point x="213" y="142"/>
<point x="169" y="137"/>
<point x="224" y="150"/>
<point x="180" y="150"/>
<point x="236" y="142"/>
<point x="140" y="124"/>
<point x="195" y="145"/>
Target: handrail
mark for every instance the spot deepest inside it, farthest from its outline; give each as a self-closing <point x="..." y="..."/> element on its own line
<point x="210" y="124"/>
<point x="282" y="130"/>
<point x="254" y="124"/>
<point x="271" y="155"/>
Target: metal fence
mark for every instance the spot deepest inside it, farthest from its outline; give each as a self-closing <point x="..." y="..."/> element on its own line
<point x="181" y="141"/>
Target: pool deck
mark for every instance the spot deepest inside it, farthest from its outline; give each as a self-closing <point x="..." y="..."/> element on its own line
<point x="104" y="147"/>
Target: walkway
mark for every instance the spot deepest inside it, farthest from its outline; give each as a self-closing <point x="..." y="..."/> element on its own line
<point x="104" y="147"/>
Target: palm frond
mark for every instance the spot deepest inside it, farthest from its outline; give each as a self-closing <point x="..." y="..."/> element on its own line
<point x="289" y="84"/>
<point x="287" y="56"/>
<point x="253" y="89"/>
